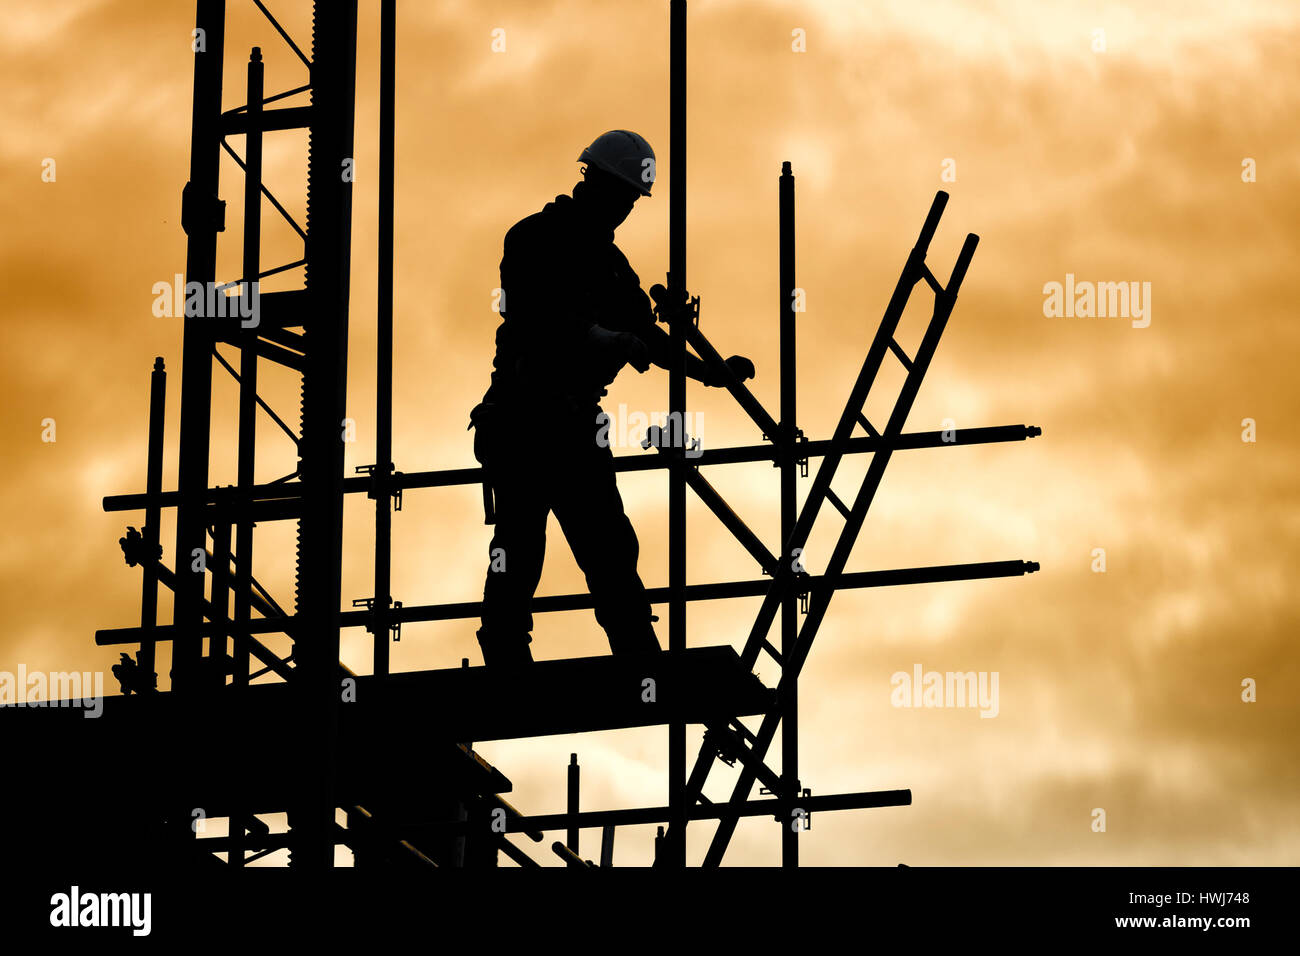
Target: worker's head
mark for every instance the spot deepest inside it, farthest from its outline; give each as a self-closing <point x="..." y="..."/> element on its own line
<point x="620" y="168"/>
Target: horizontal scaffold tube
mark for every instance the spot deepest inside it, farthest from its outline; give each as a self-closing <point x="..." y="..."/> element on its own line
<point x="574" y="602"/>
<point x="285" y="493"/>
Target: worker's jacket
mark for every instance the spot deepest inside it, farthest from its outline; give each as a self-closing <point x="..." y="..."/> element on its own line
<point x="560" y="275"/>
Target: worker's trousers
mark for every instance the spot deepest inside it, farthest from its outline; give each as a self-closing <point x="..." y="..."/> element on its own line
<point x="556" y="465"/>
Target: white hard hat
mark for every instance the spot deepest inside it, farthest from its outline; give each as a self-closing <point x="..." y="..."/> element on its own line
<point x="624" y="154"/>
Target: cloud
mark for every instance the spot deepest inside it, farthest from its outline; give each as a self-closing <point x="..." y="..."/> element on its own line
<point x="1121" y="690"/>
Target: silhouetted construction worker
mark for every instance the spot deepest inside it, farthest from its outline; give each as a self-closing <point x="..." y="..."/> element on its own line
<point x="573" y="314"/>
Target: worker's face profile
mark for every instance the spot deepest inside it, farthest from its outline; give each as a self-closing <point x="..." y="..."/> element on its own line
<point x="621" y="208"/>
<point x="612" y="197"/>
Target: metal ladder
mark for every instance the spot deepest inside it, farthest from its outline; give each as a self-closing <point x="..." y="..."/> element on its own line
<point x="732" y="741"/>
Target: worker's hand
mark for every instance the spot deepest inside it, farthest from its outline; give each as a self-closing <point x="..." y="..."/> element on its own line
<point x="740" y="367"/>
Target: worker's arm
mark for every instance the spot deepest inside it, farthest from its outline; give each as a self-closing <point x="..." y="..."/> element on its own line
<point x="648" y="344"/>
<point x="660" y="344"/>
<point x="653" y="345"/>
<point x="696" y="368"/>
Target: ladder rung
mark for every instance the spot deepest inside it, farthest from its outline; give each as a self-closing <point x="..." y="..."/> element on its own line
<point x="930" y="280"/>
<point x="862" y="420"/>
<point x="902" y="356"/>
<point x="834" y="499"/>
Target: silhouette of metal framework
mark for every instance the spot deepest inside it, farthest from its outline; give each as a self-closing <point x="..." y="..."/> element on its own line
<point x="321" y="739"/>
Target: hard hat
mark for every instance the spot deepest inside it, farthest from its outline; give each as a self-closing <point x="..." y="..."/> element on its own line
<point x="623" y="154"/>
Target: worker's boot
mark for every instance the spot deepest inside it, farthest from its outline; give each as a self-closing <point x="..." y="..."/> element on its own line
<point x="505" y="653"/>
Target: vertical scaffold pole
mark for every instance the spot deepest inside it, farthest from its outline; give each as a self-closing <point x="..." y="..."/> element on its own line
<point x="152" y="517"/>
<point x="252" y="268"/>
<point x="572" y="833"/>
<point x="676" y="844"/>
<point x="789" y="511"/>
<point x="384" y="343"/>
<point x="201" y="220"/>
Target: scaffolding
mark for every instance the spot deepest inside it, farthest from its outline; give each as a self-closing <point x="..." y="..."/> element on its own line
<point x="318" y="739"/>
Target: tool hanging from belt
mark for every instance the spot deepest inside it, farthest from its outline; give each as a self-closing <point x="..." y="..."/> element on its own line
<point x="481" y="411"/>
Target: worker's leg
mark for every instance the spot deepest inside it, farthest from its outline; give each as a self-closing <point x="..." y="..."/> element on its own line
<point x="590" y="511"/>
<point x="517" y="549"/>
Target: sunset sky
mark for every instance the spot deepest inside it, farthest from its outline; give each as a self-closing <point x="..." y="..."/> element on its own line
<point x="1119" y="690"/>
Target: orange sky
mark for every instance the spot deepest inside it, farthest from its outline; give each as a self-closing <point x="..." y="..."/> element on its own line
<point x="1118" y="690"/>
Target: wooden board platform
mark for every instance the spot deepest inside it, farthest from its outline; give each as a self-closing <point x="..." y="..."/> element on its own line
<point x="576" y="695"/>
<point x="396" y="745"/>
